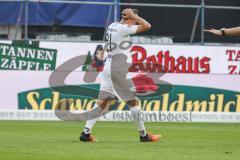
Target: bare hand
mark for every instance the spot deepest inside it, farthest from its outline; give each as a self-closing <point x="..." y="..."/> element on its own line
<point x="128" y="14"/>
<point x="214" y="31"/>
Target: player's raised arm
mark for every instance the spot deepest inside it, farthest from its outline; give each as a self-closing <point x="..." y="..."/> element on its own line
<point x="225" y="32"/>
<point x="143" y="25"/>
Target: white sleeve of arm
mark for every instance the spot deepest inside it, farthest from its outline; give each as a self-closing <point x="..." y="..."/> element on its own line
<point x="130" y="29"/>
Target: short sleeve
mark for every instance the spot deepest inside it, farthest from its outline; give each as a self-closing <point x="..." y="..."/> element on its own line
<point x="130" y="29"/>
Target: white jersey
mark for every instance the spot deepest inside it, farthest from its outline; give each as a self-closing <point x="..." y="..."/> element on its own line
<point x="114" y="81"/>
<point x="118" y="37"/>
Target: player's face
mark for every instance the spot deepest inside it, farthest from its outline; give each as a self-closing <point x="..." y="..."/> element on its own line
<point x="131" y="22"/>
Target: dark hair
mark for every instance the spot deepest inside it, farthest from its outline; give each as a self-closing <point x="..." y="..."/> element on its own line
<point x="99" y="48"/>
<point x="98" y="63"/>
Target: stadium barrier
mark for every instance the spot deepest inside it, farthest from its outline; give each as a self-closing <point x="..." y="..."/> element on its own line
<point x="204" y="81"/>
<point x="153" y="116"/>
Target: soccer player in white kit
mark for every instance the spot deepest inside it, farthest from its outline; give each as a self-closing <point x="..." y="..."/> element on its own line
<point x="114" y="81"/>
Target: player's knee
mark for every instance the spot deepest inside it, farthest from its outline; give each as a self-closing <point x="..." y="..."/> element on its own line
<point x="102" y="103"/>
<point x="132" y="103"/>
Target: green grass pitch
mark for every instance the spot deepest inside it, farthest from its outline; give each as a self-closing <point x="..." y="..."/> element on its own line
<point x="36" y="140"/>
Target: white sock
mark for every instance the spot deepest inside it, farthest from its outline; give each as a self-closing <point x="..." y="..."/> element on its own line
<point x="135" y="111"/>
<point x="90" y="123"/>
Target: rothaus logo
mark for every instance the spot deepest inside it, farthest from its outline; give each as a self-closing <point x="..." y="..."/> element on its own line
<point x="164" y="62"/>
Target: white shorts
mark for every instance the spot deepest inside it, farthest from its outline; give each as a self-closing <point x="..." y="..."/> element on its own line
<point x="114" y="82"/>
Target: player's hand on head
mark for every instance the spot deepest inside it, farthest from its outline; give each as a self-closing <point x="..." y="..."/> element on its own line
<point x="214" y="31"/>
<point x="128" y="14"/>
